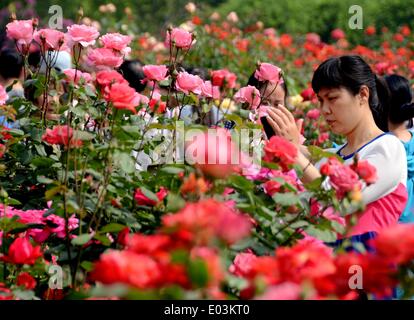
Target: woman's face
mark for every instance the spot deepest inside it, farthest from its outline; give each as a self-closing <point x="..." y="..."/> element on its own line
<point x="273" y="95"/>
<point x="342" y="110"/>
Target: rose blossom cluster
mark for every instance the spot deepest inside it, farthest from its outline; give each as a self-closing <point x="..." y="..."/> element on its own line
<point x="346" y="178"/>
<point x="313" y="263"/>
<point x="147" y="260"/>
<point x="48" y="225"/>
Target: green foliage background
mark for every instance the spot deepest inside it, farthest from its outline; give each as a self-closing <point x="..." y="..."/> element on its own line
<point x="322" y="16"/>
<point x="290" y="16"/>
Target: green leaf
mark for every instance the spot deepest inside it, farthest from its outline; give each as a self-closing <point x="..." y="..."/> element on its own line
<point x="174" y="202"/>
<point x="241" y="182"/>
<point x="324" y="235"/>
<point x="112" y="227"/>
<point x="125" y="162"/>
<point x="87" y="265"/>
<point x="43" y="179"/>
<point x="318" y="154"/>
<point x="285" y="199"/>
<point x="299" y="224"/>
<point x="49" y="194"/>
<point x="103" y="239"/>
<point x="149" y="194"/>
<point x="13" y="202"/>
<point x="16" y="132"/>
<point x="197" y="270"/>
<point x="235" y="118"/>
<point x="24" y="294"/>
<point x="41" y="150"/>
<point x="82" y="239"/>
<point x="172" y="170"/>
<point x="82" y="135"/>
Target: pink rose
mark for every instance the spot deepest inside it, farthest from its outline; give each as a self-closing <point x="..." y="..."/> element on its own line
<point x="82" y="34"/>
<point x="123" y="96"/>
<point x="188" y="83"/>
<point x="70" y="75"/>
<point x="337" y="34"/>
<point x="283" y="291"/>
<point x="248" y="95"/>
<point x="155" y="73"/>
<point x="49" y="39"/>
<point x="117" y="42"/>
<point x="20" y="31"/>
<point x="3" y="96"/>
<point x="210" y="91"/>
<point x="223" y="78"/>
<point x="108" y="77"/>
<point x="179" y="38"/>
<point x="313" y="38"/>
<point x="313" y="114"/>
<point x="324" y="136"/>
<point x="268" y="72"/>
<point x="214" y="153"/>
<point x="342" y="177"/>
<point x="103" y="58"/>
<point x="243" y="264"/>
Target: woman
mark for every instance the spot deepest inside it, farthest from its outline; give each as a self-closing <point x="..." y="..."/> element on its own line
<point x="352" y="100"/>
<point x="401" y="112"/>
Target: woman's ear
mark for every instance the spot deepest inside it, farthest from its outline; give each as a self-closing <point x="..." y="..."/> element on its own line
<point x="364" y="94"/>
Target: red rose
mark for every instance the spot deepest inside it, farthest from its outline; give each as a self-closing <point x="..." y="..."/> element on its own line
<point x="24" y="279"/>
<point x="205" y="220"/>
<point x="308" y="94"/>
<point x="127" y="267"/>
<point x="143" y="200"/>
<point x="148" y="244"/>
<point x="109" y="77"/>
<point x="5" y="293"/>
<point x="61" y="135"/>
<point x="280" y="150"/>
<point x="223" y="78"/>
<point x="305" y="261"/>
<point x="123" y="96"/>
<point x="370" y="31"/>
<point x="396" y="243"/>
<point x="21" y="251"/>
<point x="366" y="171"/>
<point x="271" y="187"/>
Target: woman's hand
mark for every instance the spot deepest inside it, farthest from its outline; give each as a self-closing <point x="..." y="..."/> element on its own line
<point x="283" y="124"/>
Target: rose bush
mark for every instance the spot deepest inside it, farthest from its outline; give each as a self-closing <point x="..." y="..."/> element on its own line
<point x="102" y="190"/>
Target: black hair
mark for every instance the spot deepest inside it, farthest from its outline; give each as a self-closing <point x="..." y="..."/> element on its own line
<point x="132" y="72"/>
<point x="401" y="107"/>
<point x="259" y="85"/>
<point x="351" y="72"/>
<point x="11" y="64"/>
<point x="198" y="71"/>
